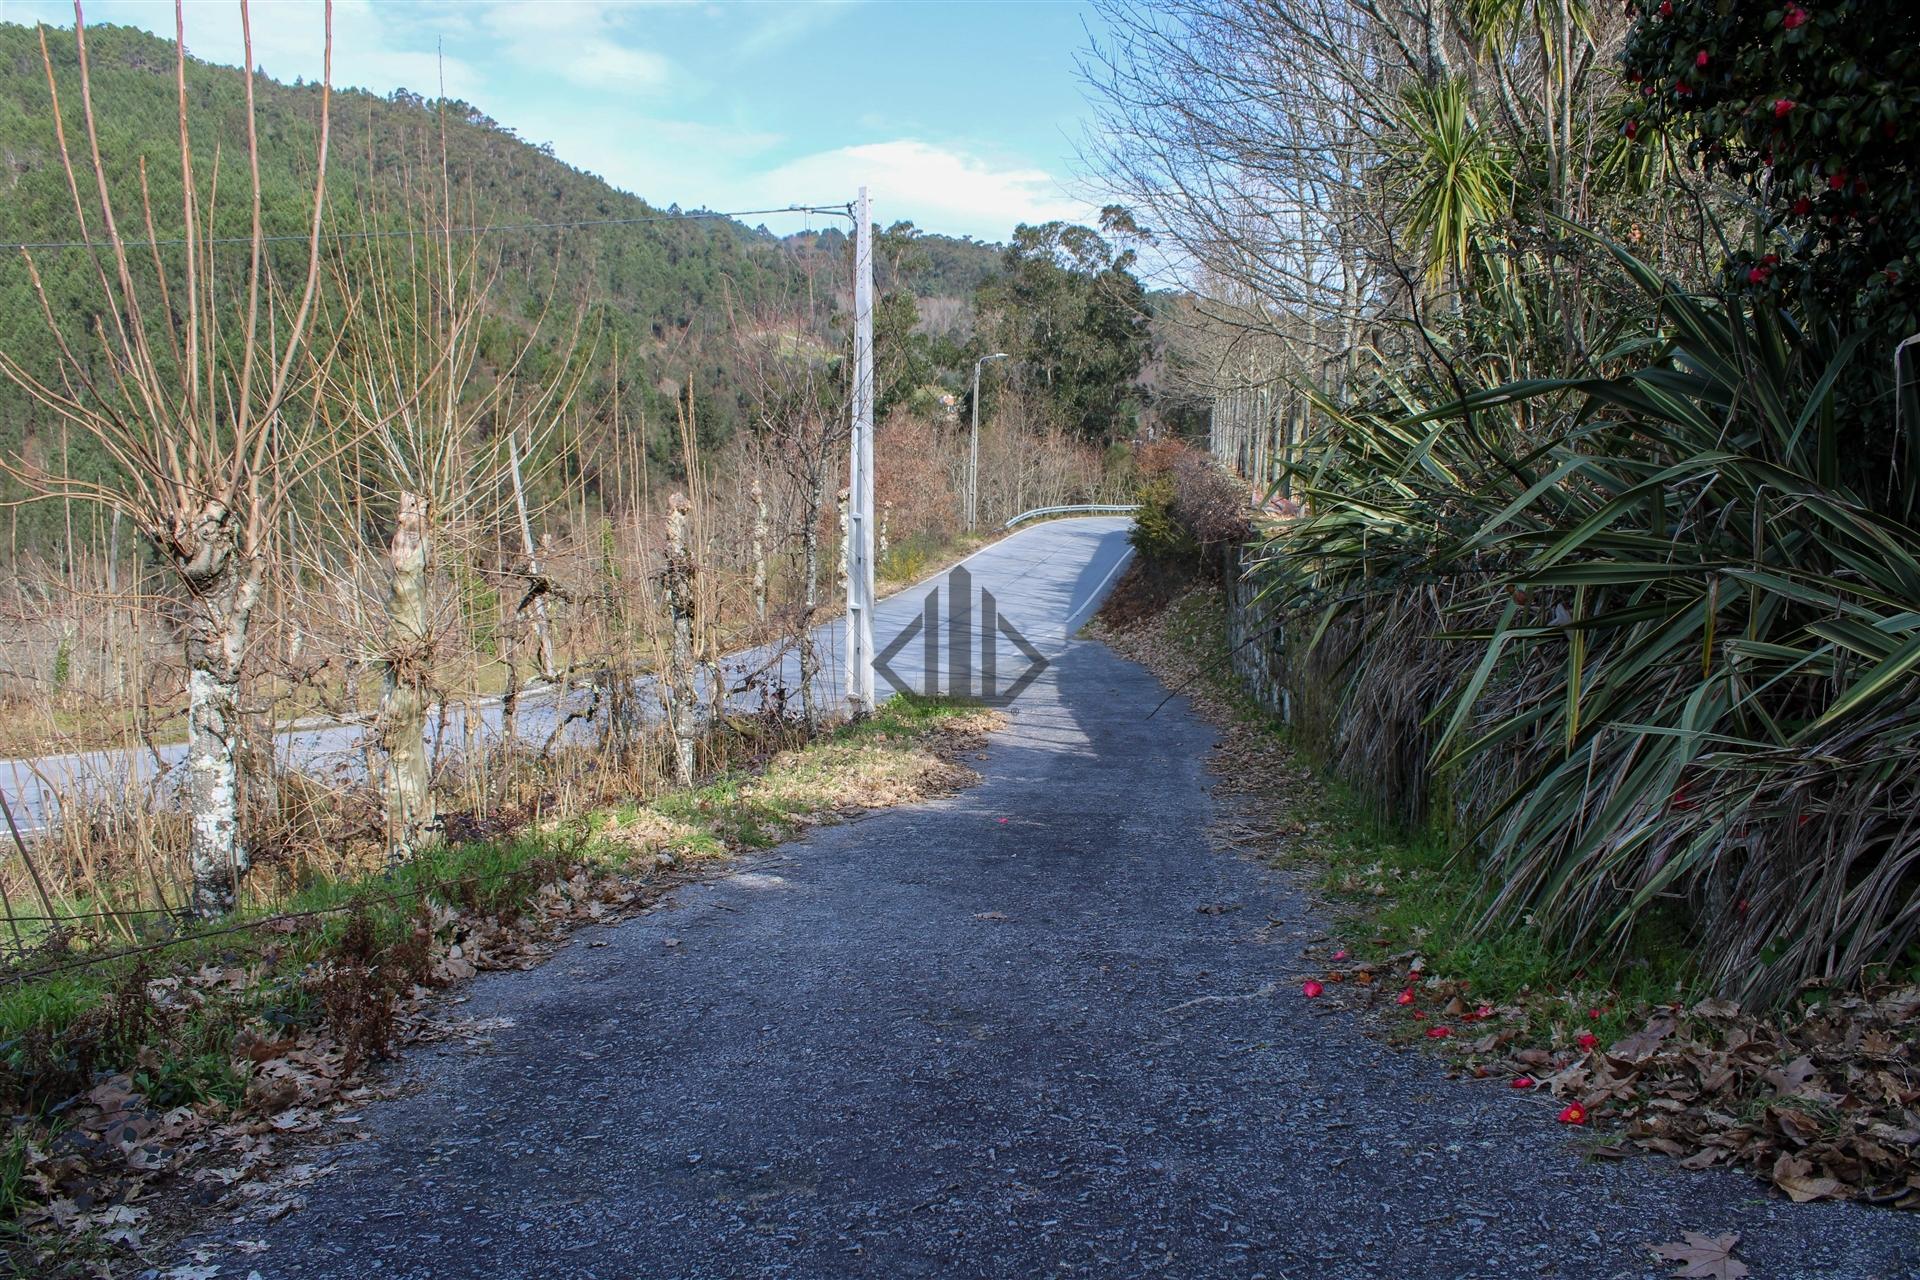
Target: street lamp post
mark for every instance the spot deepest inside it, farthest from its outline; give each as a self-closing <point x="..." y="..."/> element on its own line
<point x="973" y="460"/>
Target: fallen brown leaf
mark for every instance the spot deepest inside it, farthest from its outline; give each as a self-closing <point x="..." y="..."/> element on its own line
<point x="1702" y="1257"/>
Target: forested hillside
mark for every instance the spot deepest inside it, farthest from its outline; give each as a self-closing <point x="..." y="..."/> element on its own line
<point x="661" y="287"/>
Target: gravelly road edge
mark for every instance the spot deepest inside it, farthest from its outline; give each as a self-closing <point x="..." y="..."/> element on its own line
<point x="943" y="1041"/>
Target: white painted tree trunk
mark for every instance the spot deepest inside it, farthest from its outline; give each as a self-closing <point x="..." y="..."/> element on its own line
<point x="846" y="542"/>
<point x="406" y="680"/>
<point x="759" y="551"/>
<point x="810" y="598"/>
<point x="681" y="699"/>
<point x="220" y="605"/>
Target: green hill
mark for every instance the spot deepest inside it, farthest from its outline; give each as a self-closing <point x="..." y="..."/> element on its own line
<point x="658" y="282"/>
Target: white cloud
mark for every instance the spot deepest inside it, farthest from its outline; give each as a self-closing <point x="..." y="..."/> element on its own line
<point x="939" y="189"/>
<point x="788" y="23"/>
<point x="581" y="40"/>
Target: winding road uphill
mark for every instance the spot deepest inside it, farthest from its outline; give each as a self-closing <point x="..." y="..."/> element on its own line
<point x="1038" y="1028"/>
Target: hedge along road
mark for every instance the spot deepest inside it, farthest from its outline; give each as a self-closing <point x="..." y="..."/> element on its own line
<point x="1046" y="579"/>
<point x="1037" y="1028"/>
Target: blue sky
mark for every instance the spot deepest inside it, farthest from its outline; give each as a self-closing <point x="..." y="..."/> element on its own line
<point x="963" y="117"/>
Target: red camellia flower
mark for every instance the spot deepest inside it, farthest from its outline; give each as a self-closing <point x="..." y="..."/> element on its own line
<point x="1586" y="1040"/>
<point x="1796" y="17"/>
<point x="1666" y="8"/>
<point x="1633" y="128"/>
<point x="1573" y="1113"/>
<point x="1438" y="1033"/>
<point x="1340" y="954"/>
<point x="1484" y="1011"/>
<point x="1310" y="989"/>
<point x="1406" y="997"/>
<point x="1700" y="59"/>
<point x="1835" y="181"/>
<point x="1758" y="275"/>
<point x="1783" y="106"/>
<point x="1520" y="1082"/>
<point x="1803" y="206"/>
<point x="1682" y="88"/>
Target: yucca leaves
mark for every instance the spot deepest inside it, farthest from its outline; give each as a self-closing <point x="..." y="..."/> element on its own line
<point x="1667" y="660"/>
<point x="1454" y="181"/>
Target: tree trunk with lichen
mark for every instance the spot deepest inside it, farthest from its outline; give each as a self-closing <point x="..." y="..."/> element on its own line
<point x="221" y="596"/>
<point x="810" y="598"/>
<point x="759" y="551"/>
<point x="682" y="702"/>
<point x="404" y="699"/>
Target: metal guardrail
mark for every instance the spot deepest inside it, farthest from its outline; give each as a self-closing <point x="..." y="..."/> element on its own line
<point x="1082" y="509"/>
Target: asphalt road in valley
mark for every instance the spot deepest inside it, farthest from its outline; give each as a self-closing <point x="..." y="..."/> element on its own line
<point x="1046" y="579"/>
<point x="1038" y="1028"/>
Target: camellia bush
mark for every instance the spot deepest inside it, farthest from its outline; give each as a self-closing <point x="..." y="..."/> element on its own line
<point x="1814" y="106"/>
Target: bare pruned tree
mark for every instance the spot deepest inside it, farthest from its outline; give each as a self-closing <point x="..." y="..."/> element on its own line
<point x="800" y="401"/>
<point x="438" y="430"/>
<point x="1321" y="173"/>
<point x="200" y="389"/>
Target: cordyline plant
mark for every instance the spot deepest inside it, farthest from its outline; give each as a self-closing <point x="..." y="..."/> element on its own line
<point x="198" y="388"/>
<point x="1673" y="663"/>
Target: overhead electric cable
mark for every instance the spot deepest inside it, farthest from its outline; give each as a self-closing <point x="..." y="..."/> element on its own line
<point x="27" y="246"/>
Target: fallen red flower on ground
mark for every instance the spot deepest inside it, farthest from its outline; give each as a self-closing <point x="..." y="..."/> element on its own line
<point x="1311" y="989"/>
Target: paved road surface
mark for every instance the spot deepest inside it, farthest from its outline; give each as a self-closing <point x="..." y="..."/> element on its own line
<point x="1046" y="579"/>
<point x="957" y="1040"/>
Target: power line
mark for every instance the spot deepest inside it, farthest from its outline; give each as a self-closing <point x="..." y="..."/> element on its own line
<point x="27" y="246"/>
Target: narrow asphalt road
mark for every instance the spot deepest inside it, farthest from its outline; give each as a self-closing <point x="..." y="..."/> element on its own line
<point x="961" y="1040"/>
<point x="1049" y="577"/>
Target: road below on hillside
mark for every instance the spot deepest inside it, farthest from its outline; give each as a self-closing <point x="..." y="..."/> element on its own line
<point x="1045" y="579"/>
<point x="1038" y="1028"/>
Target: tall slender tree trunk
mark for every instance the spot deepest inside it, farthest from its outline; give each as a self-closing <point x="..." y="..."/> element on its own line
<point x="404" y="687"/>
<point x="759" y="551"/>
<point x="681" y="699"/>
<point x="810" y="596"/>
<point x="540" y="631"/>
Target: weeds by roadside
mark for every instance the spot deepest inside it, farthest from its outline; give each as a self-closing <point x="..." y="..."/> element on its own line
<point x="1820" y="1100"/>
<point x="191" y="1070"/>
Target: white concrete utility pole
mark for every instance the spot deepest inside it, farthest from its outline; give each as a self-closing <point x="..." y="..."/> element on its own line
<point x="860" y="588"/>
<point x="973" y="459"/>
